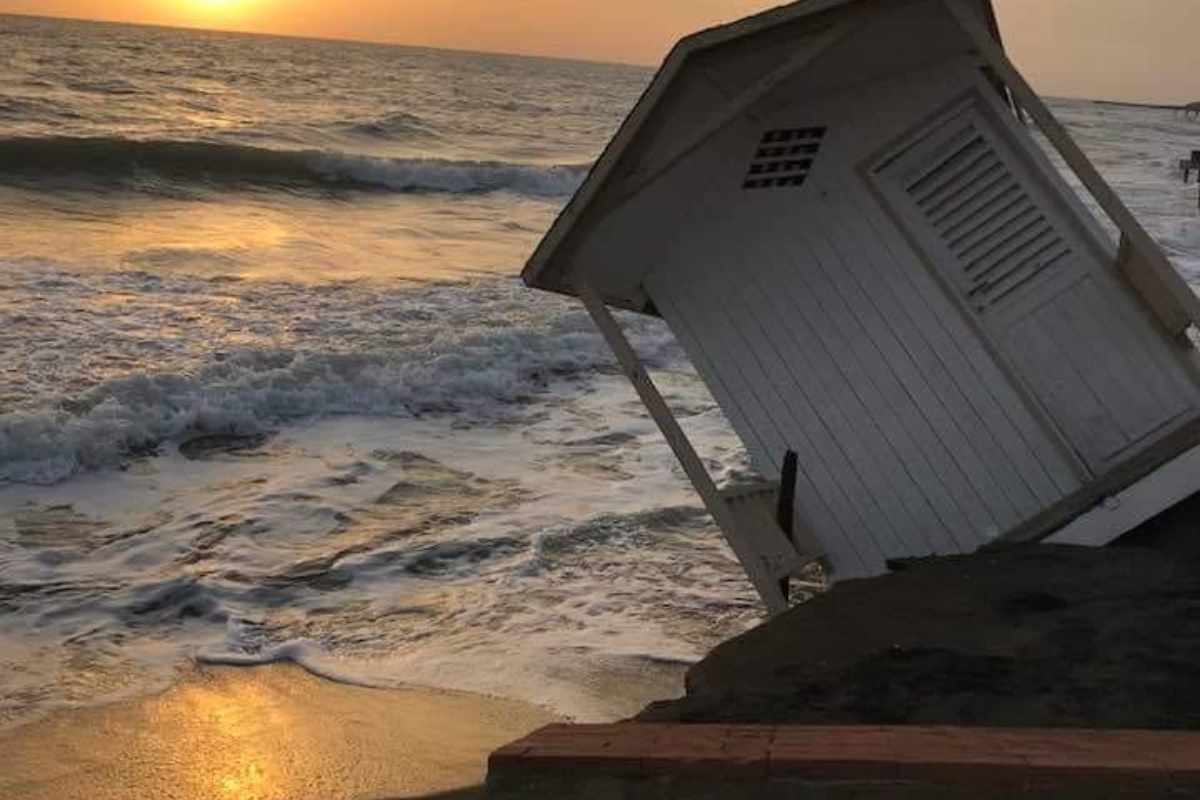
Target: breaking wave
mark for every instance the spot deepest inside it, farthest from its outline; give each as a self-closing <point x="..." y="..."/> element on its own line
<point x="255" y="391"/>
<point x="131" y="162"/>
<point x="474" y="351"/>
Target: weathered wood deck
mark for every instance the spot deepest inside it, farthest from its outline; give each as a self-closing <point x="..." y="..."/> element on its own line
<point x="636" y="760"/>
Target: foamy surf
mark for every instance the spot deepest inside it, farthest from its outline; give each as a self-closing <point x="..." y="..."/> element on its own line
<point x="481" y="351"/>
<point x="606" y="687"/>
<point x="304" y="653"/>
<point x="395" y="553"/>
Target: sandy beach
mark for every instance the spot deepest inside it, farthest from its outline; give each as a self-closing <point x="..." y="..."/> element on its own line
<point x="260" y="734"/>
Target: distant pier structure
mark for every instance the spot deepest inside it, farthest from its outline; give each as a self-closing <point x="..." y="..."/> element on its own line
<point x="1192" y="163"/>
<point x="1188" y="110"/>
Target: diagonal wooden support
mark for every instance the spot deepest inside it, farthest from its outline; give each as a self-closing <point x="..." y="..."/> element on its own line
<point x="765" y="558"/>
<point x="1172" y="300"/>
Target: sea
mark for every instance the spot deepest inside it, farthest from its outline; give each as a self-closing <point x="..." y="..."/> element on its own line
<point x="271" y="389"/>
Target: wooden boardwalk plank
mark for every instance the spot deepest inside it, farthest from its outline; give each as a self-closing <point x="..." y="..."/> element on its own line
<point x="1016" y="761"/>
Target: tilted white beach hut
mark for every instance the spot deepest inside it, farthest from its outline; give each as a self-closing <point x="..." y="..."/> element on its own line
<point x="838" y="208"/>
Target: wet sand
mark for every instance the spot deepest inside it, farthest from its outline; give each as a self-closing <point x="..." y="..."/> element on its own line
<point x="267" y="733"/>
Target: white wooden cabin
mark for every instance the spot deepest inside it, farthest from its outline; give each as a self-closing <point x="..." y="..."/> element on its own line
<point x="838" y="208"/>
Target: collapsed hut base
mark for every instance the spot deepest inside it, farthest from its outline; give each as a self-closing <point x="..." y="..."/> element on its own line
<point x="1043" y="636"/>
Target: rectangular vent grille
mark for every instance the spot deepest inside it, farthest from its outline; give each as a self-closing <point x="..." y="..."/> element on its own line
<point x="985" y="218"/>
<point x="783" y="158"/>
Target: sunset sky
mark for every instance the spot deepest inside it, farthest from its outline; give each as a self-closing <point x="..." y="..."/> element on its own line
<point x="1120" y="49"/>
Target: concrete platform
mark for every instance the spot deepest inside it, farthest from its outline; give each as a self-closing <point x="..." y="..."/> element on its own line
<point x="636" y="761"/>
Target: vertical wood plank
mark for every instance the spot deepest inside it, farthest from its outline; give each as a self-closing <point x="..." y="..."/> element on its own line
<point x="1015" y="429"/>
<point x="812" y="508"/>
<point x="970" y="442"/>
<point x="681" y="323"/>
<point x="856" y="510"/>
<point x="763" y="568"/>
<point x="968" y="378"/>
<point x="699" y="279"/>
<point x="730" y="268"/>
<point x="1035" y="348"/>
<point x="943" y="476"/>
<point x="1123" y="375"/>
<point x="823" y="361"/>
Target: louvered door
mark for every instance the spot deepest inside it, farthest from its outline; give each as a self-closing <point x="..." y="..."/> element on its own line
<point x="994" y="230"/>
<point x="987" y="221"/>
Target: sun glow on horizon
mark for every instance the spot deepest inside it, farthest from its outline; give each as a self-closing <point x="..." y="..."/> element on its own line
<point x="1074" y="48"/>
<point x="213" y="9"/>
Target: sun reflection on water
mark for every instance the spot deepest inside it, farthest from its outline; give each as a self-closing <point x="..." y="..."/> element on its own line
<point x="249" y="784"/>
<point x="274" y="733"/>
<point x="223" y="738"/>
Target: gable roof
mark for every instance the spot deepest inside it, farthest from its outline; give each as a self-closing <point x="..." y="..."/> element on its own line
<point x="745" y="51"/>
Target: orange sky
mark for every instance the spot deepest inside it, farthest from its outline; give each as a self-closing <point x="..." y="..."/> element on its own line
<point x="1121" y="49"/>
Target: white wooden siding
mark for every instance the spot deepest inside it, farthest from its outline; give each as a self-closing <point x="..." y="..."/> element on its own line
<point x="822" y="331"/>
<point x="617" y="242"/>
<point x="1000" y="240"/>
<point x="825" y="326"/>
<point x="1047" y="298"/>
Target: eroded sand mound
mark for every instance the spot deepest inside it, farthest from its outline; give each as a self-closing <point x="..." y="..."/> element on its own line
<point x="1041" y="636"/>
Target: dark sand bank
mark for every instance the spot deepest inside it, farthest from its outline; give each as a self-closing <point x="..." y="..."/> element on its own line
<point x="1044" y="636"/>
<point x="269" y="733"/>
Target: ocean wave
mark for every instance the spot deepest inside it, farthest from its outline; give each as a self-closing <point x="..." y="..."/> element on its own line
<point x="257" y="390"/>
<point x="553" y="546"/>
<point x="110" y="86"/>
<point x="486" y="351"/>
<point x="397" y="125"/>
<point x="127" y="162"/>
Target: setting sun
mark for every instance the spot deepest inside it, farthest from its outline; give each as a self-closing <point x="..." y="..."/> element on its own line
<point x="216" y="9"/>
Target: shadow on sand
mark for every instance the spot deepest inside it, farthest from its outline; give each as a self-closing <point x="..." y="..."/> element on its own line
<point x="470" y="793"/>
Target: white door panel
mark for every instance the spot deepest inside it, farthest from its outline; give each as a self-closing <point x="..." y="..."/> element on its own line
<point x="1056" y="314"/>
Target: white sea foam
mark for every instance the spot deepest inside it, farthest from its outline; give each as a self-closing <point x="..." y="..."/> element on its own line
<point x="305" y="653"/>
<point x="436" y="175"/>
<point x="584" y="597"/>
<point x="399" y="552"/>
<point x="270" y="354"/>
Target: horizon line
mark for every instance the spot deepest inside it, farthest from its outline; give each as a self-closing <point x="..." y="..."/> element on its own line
<point x="334" y="39"/>
<point x="468" y="51"/>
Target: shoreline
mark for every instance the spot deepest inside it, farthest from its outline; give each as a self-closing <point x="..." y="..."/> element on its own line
<point x="264" y="732"/>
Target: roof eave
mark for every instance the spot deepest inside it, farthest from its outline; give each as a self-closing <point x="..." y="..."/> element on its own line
<point x="532" y="274"/>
